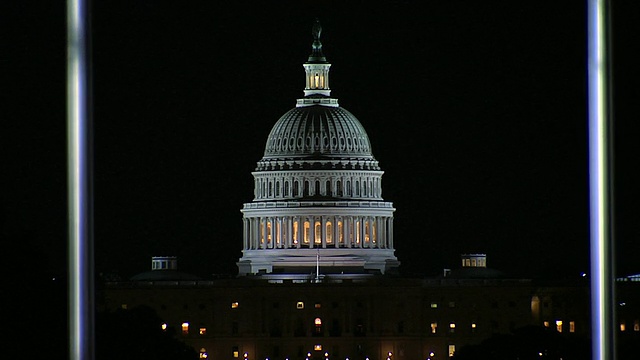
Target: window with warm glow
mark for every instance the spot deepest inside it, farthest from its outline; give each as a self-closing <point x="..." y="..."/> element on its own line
<point x="452" y="327"/>
<point x="452" y="350"/>
<point x="559" y="325"/>
<point x="329" y="232"/>
<point x="202" y="331"/>
<point x="235" y="352"/>
<point x="317" y="305"/>
<point x="623" y="326"/>
<point x="203" y="353"/>
<point x="307" y="232"/>
<point x="295" y="233"/>
<point x="317" y="347"/>
<point x="636" y="325"/>
<point x="185" y="327"/>
<point x="163" y="326"/>
<point x="340" y="232"/>
<point x="318" y="233"/>
<point x="374" y="238"/>
<point x="434" y="305"/>
<point x="572" y="326"/>
<point x="546" y="324"/>
<point x="366" y="233"/>
<point x="317" y="321"/>
<point x="300" y="305"/>
<point x="357" y="232"/>
<point x="473" y="327"/>
<point x="434" y="327"/>
<point x="234" y="305"/>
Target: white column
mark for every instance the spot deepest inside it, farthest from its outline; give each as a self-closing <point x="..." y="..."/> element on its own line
<point x="391" y="233"/>
<point x="323" y="231"/>
<point x="336" y="234"/>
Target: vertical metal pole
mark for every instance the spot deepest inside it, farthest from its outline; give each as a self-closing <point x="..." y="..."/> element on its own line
<point x="600" y="184"/>
<point x="81" y="290"/>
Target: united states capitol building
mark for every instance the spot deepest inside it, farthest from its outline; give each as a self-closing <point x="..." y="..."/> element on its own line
<point x="318" y="277"/>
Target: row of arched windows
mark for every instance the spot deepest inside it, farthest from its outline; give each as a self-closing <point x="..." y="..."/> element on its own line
<point x="272" y="188"/>
<point x="311" y="232"/>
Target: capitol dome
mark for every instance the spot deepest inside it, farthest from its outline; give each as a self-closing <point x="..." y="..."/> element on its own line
<point x="318" y="132"/>
<point x="318" y="203"/>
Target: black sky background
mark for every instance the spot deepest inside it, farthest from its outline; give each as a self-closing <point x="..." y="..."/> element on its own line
<point x="475" y="110"/>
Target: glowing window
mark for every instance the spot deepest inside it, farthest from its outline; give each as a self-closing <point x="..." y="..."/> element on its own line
<point x="546" y="324"/>
<point x="434" y="327"/>
<point x="572" y="326"/>
<point x="185" y="327"/>
<point x="317" y="321"/>
<point x="452" y="350"/>
<point x="300" y="305"/>
<point x="234" y="305"/>
<point x="559" y="325"/>
<point x="317" y="347"/>
<point x="473" y="326"/>
<point x="623" y="326"/>
<point x="636" y="325"/>
<point x="366" y="233"/>
<point x="452" y="327"/>
<point x="340" y="233"/>
<point x="202" y="331"/>
<point x="295" y="233"/>
<point x="163" y="326"/>
<point x="235" y="352"/>
<point x="434" y="305"/>
<point x="318" y="305"/>
<point x="318" y="233"/>
<point x="203" y="353"/>
<point x="329" y="232"/>
<point x="307" y="232"/>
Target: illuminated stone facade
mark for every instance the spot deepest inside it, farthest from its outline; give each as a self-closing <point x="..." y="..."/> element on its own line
<point x="318" y="191"/>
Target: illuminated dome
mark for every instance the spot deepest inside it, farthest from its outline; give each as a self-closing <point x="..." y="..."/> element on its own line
<point x="318" y="137"/>
<point x="318" y="205"/>
<point x="318" y="131"/>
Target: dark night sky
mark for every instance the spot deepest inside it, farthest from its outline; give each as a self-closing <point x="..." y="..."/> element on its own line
<point x="476" y="111"/>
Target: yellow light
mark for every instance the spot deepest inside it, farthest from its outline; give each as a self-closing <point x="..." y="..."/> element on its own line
<point x="473" y="325"/>
<point x="317" y="347"/>
<point x="432" y="354"/>
<point x="203" y="330"/>
<point x="234" y="305"/>
<point x="245" y="355"/>
<point x="164" y="326"/>
<point x="300" y="305"/>
<point x="318" y="321"/>
<point x="185" y="327"/>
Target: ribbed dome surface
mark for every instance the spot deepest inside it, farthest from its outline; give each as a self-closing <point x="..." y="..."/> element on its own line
<point x="318" y="131"/>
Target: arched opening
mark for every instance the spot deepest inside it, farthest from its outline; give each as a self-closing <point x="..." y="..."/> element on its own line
<point x="306" y="233"/>
<point x="318" y="233"/>
<point x="329" y="232"/>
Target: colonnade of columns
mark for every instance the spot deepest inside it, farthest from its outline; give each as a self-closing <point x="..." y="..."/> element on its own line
<point x="325" y="231"/>
<point x="272" y="187"/>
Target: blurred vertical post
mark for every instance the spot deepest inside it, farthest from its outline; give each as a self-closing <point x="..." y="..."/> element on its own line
<point x="600" y="180"/>
<point x="79" y="155"/>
